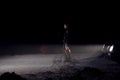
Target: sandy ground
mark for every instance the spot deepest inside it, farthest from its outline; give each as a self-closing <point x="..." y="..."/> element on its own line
<point x="24" y="59"/>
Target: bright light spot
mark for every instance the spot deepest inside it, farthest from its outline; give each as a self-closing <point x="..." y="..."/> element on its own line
<point x="111" y="48"/>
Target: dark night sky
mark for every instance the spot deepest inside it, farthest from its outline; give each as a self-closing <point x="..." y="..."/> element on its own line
<point x="86" y="24"/>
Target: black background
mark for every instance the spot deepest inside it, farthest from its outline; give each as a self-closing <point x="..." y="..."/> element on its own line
<point x="87" y="24"/>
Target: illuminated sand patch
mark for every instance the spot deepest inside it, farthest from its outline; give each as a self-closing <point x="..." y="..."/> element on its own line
<point x="43" y="58"/>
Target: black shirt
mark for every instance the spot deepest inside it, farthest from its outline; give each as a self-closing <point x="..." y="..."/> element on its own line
<point x="65" y="36"/>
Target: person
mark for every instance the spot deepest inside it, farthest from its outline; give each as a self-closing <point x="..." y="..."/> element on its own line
<point x="67" y="50"/>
